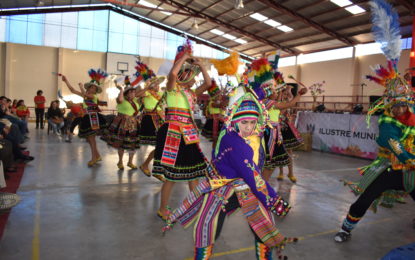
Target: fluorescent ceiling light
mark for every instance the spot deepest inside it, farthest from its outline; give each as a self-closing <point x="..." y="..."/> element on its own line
<point x="241" y="41"/>
<point x="216" y="31"/>
<point x="148" y="4"/>
<point x="259" y="17"/>
<point x="341" y="3"/>
<point x="145" y="3"/>
<point x="272" y="23"/>
<point x="355" y="9"/>
<point x="285" y="28"/>
<point x="228" y="36"/>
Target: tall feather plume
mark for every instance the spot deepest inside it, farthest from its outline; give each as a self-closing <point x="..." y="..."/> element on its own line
<point x="386" y="29"/>
<point x="97" y="76"/>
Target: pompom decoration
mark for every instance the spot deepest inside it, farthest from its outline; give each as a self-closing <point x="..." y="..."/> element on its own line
<point x="261" y="78"/>
<point x="214" y="89"/>
<point x="182" y="49"/>
<point x="228" y="66"/>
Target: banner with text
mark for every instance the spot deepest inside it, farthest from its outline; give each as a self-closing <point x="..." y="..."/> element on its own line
<point x="341" y="133"/>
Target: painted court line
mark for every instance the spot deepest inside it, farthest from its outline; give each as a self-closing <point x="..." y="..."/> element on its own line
<point x="36" y="229"/>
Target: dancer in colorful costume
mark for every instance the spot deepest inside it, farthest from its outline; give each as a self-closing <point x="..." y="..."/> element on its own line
<point x="178" y="156"/>
<point x="392" y="173"/>
<point x="261" y="74"/>
<point x="214" y="113"/>
<point x="153" y="115"/>
<point x="235" y="183"/>
<point x="122" y="134"/>
<point x="93" y="122"/>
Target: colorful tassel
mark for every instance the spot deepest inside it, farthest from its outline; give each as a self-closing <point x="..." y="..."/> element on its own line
<point x="262" y="252"/>
<point x="203" y="253"/>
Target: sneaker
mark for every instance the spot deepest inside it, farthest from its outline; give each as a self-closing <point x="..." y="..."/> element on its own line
<point x="342" y="236"/>
<point x="8" y="200"/>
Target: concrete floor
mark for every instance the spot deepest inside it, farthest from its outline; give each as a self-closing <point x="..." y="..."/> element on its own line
<point x="69" y="211"/>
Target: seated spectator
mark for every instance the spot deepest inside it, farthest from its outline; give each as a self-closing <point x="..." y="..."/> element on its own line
<point x="5" y="131"/>
<point x="22" y="111"/>
<point x="55" y="117"/>
<point x="13" y="107"/>
<point x="6" y="113"/>
<point x="73" y="118"/>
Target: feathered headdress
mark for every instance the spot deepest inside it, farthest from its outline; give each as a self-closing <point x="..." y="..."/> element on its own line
<point x="243" y="102"/>
<point x="143" y="72"/>
<point x="97" y="78"/>
<point x="386" y="31"/>
<point x="260" y="77"/>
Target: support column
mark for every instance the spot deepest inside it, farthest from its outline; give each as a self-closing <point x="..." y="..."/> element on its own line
<point x="8" y="69"/>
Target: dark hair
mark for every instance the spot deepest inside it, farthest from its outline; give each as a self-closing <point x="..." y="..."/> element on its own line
<point x="19" y="102"/>
<point x="51" y="103"/>
<point x="9" y="100"/>
<point x="3" y="97"/>
<point x="39" y="92"/>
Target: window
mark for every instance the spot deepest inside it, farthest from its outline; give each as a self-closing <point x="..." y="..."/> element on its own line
<point x="326" y="55"/>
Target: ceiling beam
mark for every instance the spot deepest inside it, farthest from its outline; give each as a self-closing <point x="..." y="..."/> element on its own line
<point x="226" y="25"/>
<point x="337" y="29"/>
<point x="321" y="22"/>
<point x="306" y="20"/>
<point x="177" y="9"/>
<point x="364" y="31"/>
<point x="408" y="4"/>
<point x="207" y="7"/>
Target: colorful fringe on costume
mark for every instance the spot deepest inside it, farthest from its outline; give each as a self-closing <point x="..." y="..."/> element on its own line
<point x="262" y="252"/>
<point x="203" y="253"/>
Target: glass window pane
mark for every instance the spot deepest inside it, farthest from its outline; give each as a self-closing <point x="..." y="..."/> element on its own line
<point x="197" y="50"/>
<point x="100" y="41"/>
<point x="157" y="33"/>
<point x="171" y="36"/>
<point x="35" y="30"/>
<point x="70" y="19"/>
<point x="52" y="35"/>
<point x="130" y="44"/>
<point x="101" y="20"/>
<point x="170" y="50"/>
<point x="85" y="39"/>
<point x="115" y="42"/>
<point x="86" y="20"/>
<point x="53" y="18"/>
<point x="144" y="46"/>
<point x="115" y="20"/>
<point x="69" y="37"/>
<point x="17" y="29"/>
<point x="3" y="21"/>
<point x="36" y="18"/>
<point x="145" y="29"/>
<point x="130" y="26"/>
<point x="157" y="48"/>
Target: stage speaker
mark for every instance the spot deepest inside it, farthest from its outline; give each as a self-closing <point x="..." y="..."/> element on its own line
<point x="357" y="109"/>
<point x="320" y="108"/>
